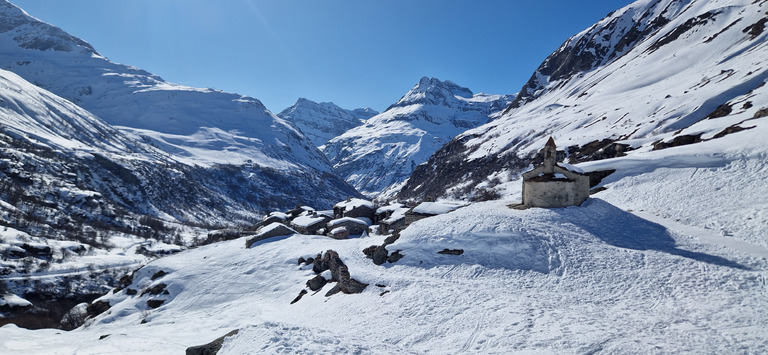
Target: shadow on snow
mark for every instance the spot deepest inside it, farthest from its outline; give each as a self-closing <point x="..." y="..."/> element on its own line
<point x="625" y="230"/>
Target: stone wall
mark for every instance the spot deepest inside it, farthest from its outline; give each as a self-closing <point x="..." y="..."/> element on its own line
<point x="556" y="193"/>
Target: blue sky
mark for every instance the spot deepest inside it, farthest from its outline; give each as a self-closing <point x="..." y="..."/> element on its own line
<point x="356" y="53"/>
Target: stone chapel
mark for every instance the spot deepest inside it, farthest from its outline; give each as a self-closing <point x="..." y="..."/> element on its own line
<point x="553" y="184"/>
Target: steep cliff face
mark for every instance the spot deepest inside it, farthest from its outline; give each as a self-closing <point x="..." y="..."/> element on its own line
<point x="650" y="75"/>
<point x="321" y="122"/>
<point x="378" y="156"/>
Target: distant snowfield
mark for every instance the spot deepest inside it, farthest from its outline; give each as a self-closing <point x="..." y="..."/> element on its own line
<point x="666" y="260"/>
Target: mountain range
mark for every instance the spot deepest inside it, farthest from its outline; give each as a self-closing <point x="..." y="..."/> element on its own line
<point x="379" y="155"/>
<point x="320" y="122"/>
<point x="663" y="101"/>
<point x="652" y="74"/>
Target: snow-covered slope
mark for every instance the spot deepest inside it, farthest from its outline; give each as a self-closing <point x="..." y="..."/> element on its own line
<point x="228" y="142"/>
<point x="595" y="278"/>
<point x="198" y="126"/>
<point x="673" y="71"/>
<point x="320" y="122"/>
<point x="377" y="156"/>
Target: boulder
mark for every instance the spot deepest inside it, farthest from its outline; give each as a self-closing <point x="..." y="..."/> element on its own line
<point x="211" y="348"/>
<point x="316" y="283"/>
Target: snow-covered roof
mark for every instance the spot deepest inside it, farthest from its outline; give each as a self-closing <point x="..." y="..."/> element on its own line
<point x="278" y="215"/>
<point x="570" y="167"/>
<point x="339" y="221"/>
<point x="354" y="203"/>
<point x="435" y="208"/>
<point x="272" y="226"/>
<point x="390" y="207"/>
<point x="308" y="220"/>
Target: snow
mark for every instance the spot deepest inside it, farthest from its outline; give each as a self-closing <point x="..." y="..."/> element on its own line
<point x="378" y="156"/>
<point x="272" y="226"/>
<point x="566" y="280"/>
<point x="435" y="208"/>
<point x="307" y="220"/>
<point x="11" y="300"/>
<point x="356" y="220"/>
<point x="354" y="203"/>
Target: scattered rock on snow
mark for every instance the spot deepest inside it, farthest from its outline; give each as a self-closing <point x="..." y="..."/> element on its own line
<point x="380" y="255"/>
<point x="301" y="294"/>
<point x="211" y="348"/>
<point x="451" y="251"/>
<point x="316" y="283"/>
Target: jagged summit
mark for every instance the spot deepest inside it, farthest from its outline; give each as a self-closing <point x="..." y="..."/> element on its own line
<point x="325" y="120"/>
<point x="432" y="91"/>
<point x="377" y="156"/>
<point x="650" y="75"/>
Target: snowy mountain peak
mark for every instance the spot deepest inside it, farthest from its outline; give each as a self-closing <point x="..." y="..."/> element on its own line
<point x="651" y="75"/>
<point x="325" y="120"/>
<point x="431" y="91"/>
<point x="379" y="155"/>
<point x="31" y="33"/>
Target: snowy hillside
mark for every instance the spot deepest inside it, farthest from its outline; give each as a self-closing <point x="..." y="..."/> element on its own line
<point x="199" y="126"/>
<point x="379" y="155"/>
<point x="320" y="122"/>
<point x="595" y="278"/>
<point x="651" y="75"/>
<point x="213" y="131"/>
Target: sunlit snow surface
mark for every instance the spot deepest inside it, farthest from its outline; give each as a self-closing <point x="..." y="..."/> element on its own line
<point x="674" y="274"/>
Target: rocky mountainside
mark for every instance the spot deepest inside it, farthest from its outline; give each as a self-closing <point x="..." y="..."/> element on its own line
<point x="651" y="75"/>
<point x="320" y="122"/>
<point x="233" y="143"/>
<point x="379" y="155"/>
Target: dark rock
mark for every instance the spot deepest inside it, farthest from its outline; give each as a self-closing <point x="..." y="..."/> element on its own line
<point x="721" y="111"/>
<point x="301" y="294"/>
<point x="316" y="283"/>
<point x="380" y="255"/>
<point x="124" y="281"/>
<point x="310" y="261"/>
<point x="211" y="348"/>
<point x="369" y="251"/>
<point x="678" y="141"/>
<point x="595" y="177"/>
<point x="394" y="257"/>
<point x="756" y="28"/>
<point x="155" y="303"/>
<point x="761" y="113"/>
<point x="319" y="264"/>
<point x="302" y="261"/>
<point x="96" y="308"/>
<point x="392" y="238"/>
<point x="131" y="292"/>
<point x="345" y="283"/>
<point x="451" y="251"/>
<point x="729" y="130"/>
<point x="104" y="336"/>
<point x="384" y="293"/>
<point x="154" y="290"/>
<point x="158" y="274"/>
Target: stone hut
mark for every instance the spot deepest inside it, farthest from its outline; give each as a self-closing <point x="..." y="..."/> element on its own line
<point x="553" y="184"/>
<point x="310" y="223"/>
<point x="354" y="226"/>
<point x="355" y="208"/>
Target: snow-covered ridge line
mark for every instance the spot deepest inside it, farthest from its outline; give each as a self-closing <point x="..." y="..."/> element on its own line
<point x="378" y="156"/>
